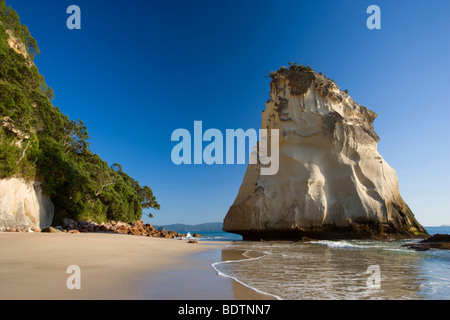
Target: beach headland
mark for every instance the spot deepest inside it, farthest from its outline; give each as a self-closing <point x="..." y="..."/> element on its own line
<point x="112" y="266"/>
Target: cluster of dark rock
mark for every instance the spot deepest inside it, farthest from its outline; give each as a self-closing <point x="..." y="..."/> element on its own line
<point x="19" y="229"/>
<point x="438" y="241"/>
<point x="137" y="228"/>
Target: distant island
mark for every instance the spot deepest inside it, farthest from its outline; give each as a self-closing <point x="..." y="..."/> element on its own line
<point x="197" y="228"/>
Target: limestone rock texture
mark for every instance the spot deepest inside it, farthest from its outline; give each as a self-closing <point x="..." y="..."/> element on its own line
<point x="332" y="183"/>
<point x="22" y="204"/>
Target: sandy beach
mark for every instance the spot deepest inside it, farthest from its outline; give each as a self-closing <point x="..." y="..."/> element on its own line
<point x="113" y="266"/>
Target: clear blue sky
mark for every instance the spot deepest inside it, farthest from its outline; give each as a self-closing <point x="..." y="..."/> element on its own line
<point x="139" y="69"/>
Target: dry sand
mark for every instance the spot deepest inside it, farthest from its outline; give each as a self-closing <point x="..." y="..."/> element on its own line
<point x="113" y="266"/>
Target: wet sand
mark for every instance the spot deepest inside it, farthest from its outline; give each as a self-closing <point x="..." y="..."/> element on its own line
<point x="197" y="280"/>
<point x="113" y="266"/>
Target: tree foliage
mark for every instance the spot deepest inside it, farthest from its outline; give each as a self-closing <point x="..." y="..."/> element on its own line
<point x="38" y="142"/>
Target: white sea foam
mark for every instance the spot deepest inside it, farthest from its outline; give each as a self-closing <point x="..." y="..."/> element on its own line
<point x="339" y="244"/>
<point x="220" y="273"/>
<point x="187" y="237"/>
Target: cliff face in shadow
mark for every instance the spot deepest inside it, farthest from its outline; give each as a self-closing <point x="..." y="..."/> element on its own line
<point x="332" y="182"/>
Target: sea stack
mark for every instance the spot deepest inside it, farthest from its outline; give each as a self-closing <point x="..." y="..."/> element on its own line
<point x="332" y="183"/>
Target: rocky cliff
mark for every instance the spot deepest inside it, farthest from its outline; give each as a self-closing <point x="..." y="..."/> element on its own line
<point x="22" y="204"/>
<point x="332" y="182"/>
<point x="40" y="143"/>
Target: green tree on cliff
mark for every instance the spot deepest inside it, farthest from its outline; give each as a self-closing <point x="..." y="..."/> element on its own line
<point x="38" y="142"/>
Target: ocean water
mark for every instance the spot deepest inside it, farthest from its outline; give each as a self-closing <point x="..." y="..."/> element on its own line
<point x="350" y="269"/>
<point x="216" y="236"/>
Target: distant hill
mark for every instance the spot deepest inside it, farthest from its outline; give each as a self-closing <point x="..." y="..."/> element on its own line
<point x="183" y="228"/>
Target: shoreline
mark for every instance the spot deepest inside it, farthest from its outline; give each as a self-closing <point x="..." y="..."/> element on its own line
<point x="199" y="280"/>
<point x="33" y="266"/>
<point x="233" y="255"/>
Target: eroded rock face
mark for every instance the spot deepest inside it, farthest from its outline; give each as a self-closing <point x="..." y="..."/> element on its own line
<point x="332" y="182"/>
<point x="19" y="47"/>
<point x="22" y="205"/>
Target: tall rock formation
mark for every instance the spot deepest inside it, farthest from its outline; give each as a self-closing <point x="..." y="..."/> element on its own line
<point x="332" y="183"/>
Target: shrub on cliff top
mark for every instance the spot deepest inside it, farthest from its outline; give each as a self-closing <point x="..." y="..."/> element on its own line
<point x="299" y="77"/>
